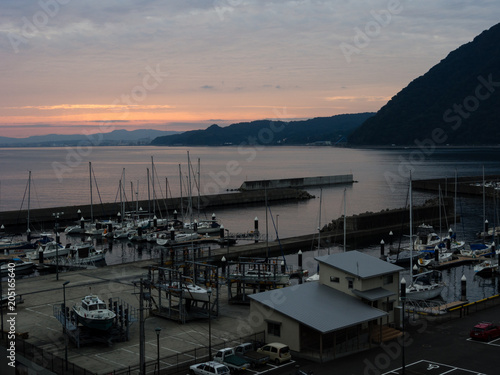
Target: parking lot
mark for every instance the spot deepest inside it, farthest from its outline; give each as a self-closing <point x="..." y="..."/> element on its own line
<point x="432" y="368"/>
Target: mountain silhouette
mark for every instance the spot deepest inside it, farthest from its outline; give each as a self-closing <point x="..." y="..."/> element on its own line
<point x="457" y="102"/>
<point x="319" y="130"/>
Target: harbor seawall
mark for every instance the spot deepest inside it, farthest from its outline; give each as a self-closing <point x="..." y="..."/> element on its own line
<point x="297" y="182"/>
<point x="17" y="220"/>
<point x="361" y="230"/>
<point x="471" y="185"/>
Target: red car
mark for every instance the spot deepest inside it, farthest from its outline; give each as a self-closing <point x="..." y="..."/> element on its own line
<point x="485" y="331"/>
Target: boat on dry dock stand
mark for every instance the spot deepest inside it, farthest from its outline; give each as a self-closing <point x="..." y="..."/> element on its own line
<point x="93" y="313"/>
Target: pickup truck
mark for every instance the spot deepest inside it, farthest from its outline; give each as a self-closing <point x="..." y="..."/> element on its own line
<point x="247" y="352"/>
<point x="228" y="357"/>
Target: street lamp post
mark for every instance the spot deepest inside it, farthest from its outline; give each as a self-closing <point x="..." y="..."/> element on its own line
<point x="227" y="239"/>
<point x="209" y="292"/>
<point x="403" y="299"/>
<point x="64" y="327"/>
<point x="158" y="330"/>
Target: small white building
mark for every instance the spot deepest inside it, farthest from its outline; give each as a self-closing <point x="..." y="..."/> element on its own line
<point x="349" y="309"/>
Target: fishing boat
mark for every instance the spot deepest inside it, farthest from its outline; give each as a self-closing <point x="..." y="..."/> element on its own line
<point x="93" y="313"/>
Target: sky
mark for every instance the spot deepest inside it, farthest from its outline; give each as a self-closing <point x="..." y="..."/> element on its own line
<point x="80" y="67"/>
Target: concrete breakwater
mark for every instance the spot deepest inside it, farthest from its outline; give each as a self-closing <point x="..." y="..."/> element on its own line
<point x="361" y="230"/>
<point x="297" y="182"/>
<point x="472" y="185"/>
<point x="16" y="220"/>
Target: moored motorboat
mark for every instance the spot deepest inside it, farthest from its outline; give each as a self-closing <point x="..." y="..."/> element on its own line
<point x="189" y="290"/>
<point x="49" y="250"/>
<point x="258" y="275"/>
<point x="486" y="268"/>
<point x="16" y="264"/>
<point x="92" y="312"/>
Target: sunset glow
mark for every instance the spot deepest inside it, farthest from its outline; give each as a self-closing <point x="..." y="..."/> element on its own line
<point x="186" y="65"/>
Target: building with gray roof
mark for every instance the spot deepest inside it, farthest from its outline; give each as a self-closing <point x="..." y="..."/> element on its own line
<point x="356" y="295"/>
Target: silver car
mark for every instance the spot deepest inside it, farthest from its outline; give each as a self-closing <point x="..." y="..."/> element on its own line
<point x="209" y="368"/>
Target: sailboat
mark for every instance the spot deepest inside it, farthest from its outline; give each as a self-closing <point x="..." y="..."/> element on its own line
<point x="421" y="287"/>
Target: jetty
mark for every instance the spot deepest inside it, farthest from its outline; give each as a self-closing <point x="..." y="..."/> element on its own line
<point x="300" y="182"/>
<point x="471" y="185"/>
<point x="16" y="220"/>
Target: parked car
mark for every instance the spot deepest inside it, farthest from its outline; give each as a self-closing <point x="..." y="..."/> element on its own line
<point x="485" y="331"/>
<point x="277" y="352"/>
<point x="209" y="368"/>
<point x="255" y="358"/>
<point x="228" y="357"/>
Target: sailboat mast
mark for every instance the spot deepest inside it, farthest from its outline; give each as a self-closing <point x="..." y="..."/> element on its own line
<point x="319" y="220"/>
<point x="29" y="199"/>
<point x="439" y="206"/>
<point x="180" y="182"/>
<point x="345" y="222"/>
<point x="153" y="183"/>
<point x="199" y="186"/>
<point x="484" y="207"/>
<point x="190" y="192"/>
<point x="267" y="232"/>
<point x="90" y="185"/>
<point x="411" y="234"/>
<point x="149" y="193"/>
<point x="455" y="204"/>
<point x="122" y="201"/>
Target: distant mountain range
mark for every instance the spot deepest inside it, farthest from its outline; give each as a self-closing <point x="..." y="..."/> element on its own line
<point x="457" y="102"/>
<point x="116" y="137"/>
<point x="320" y="131"/>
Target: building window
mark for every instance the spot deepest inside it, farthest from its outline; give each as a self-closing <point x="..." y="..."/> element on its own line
<point x="334" y="279"/>
<point x="350" y="282"/>
<point x="274" y="329"/>
<point x="388" y="279"/>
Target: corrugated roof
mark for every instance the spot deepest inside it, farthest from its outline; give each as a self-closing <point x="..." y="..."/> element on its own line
<point x="318" y="306"/>
<point x="373" y="294"/>
<point x="359" y="264"/>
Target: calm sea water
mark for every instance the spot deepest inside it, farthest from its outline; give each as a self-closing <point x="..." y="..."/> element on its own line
<point x="60" y="177"/>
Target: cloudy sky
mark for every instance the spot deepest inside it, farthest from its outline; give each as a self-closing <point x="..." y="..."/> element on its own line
<point x="71" y="66"/>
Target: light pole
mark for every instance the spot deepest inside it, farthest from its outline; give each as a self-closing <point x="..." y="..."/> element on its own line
<point x="158" y="330"/>
<point x="64" y="328"/>
<point x="209" y="292"/>
<point x="403" y="299"/>
<point x="227" y="239"/>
